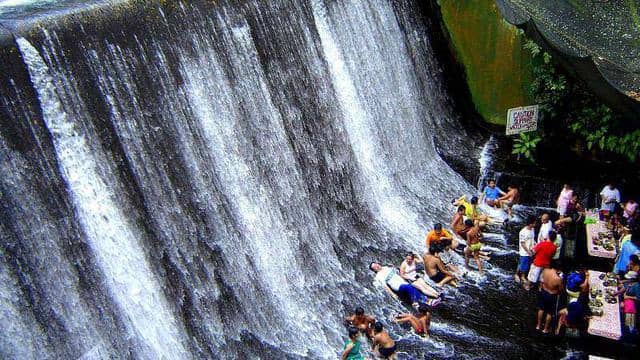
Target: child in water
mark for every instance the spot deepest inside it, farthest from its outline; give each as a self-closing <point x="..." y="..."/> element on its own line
<point x="351" y="349"/>
<point x="419" y="323"/>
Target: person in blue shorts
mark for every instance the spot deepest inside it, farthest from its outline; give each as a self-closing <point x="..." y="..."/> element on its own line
<point x="525" y="244"/>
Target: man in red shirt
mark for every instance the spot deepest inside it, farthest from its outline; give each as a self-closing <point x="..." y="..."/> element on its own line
<point x="542" y="254"/>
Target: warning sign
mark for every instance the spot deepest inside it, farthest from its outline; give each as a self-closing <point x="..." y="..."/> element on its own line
<point x="522" y="119"/>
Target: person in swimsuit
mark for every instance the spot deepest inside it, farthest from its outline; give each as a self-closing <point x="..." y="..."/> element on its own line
<point x="383" y="342"/>
<point x="457" y="224"/>
<point x="419" y="323"/>
<point x="550" y="299"/>
<point x="447" y="258"/>
<point x="362" y="322"/>
<point x="473" y="247"/>
<point x="435" y="268"/>
<point x="511" y="198"/>
<point x="351" y="350"/>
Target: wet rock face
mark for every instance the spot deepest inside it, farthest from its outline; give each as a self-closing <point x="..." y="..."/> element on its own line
<point x="597" y="40"/>
<point x="497" y="68"/>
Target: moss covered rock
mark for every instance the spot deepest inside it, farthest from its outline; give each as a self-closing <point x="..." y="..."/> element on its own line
<point x="498" y="68"/>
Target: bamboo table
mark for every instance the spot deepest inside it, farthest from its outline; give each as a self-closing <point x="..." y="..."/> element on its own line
<point x="593" y="230"/>
<point x="608" y="325"/>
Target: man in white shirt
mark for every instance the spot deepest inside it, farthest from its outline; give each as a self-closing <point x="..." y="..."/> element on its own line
<point x="545" y="227"/>
<point x="525" y="244"/>
<point x="610" y="197"/>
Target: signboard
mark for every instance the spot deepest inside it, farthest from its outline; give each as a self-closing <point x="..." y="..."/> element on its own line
<point x="522" y="119"/>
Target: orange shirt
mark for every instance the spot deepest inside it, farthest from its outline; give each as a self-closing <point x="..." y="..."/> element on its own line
<point x="432" y="236"/>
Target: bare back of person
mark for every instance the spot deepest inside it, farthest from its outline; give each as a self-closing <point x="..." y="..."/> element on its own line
<point x="515" y="196"/>
<point x="473" y="236"/>
<point x="362" y="322"/>
<point x="384" y="340"/>
<point x="551" y="281"/>
<point x="431" y="264"/>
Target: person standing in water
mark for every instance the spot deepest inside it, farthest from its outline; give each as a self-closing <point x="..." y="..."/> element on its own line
<point x="383" y="342"/>
<point x="362" y="321"/>
<point x="550" y="299"/>
<point x="473" y="247"/>
<point x="525" y="241"/>
<point x="351" y="350"/>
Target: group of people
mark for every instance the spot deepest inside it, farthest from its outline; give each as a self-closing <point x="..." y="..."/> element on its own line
<point x="563" y="298"/>
<point x="408" y="282"/>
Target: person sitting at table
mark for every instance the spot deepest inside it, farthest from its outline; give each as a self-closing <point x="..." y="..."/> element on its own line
<point x="628" y="248"/>
<point x="631" y="294"/>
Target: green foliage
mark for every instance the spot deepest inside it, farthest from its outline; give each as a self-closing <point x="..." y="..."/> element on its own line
<point x="563" y="100"/>
<point x="548" y="88"/>
<point x="525" y="145"/>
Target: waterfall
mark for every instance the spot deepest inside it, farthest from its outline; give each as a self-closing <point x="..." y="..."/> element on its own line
<point x="111" y="238"/>
<point x="212" y="180"/>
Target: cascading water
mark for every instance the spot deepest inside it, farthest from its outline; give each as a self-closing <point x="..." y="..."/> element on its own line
<point x="213" y="180"/>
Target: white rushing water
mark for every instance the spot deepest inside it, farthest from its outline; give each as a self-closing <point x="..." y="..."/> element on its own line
<point x="114" y="242"/>
<point x="361" y="129"/>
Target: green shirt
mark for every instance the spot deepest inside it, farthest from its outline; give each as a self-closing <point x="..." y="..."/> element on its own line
<point x="354" y="354"/>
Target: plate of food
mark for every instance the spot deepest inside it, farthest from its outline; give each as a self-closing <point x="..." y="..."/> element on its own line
<point x="611" y="299"/>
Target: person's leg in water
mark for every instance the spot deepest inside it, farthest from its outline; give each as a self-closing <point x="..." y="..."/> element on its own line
<point x="425" y="288"/>
<point x="476" y="256"/>
<point x="540" y="315"/>
<point x="414" y="321"/>
<point x="467" y="253"/>
<point x="547" y="324"/>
